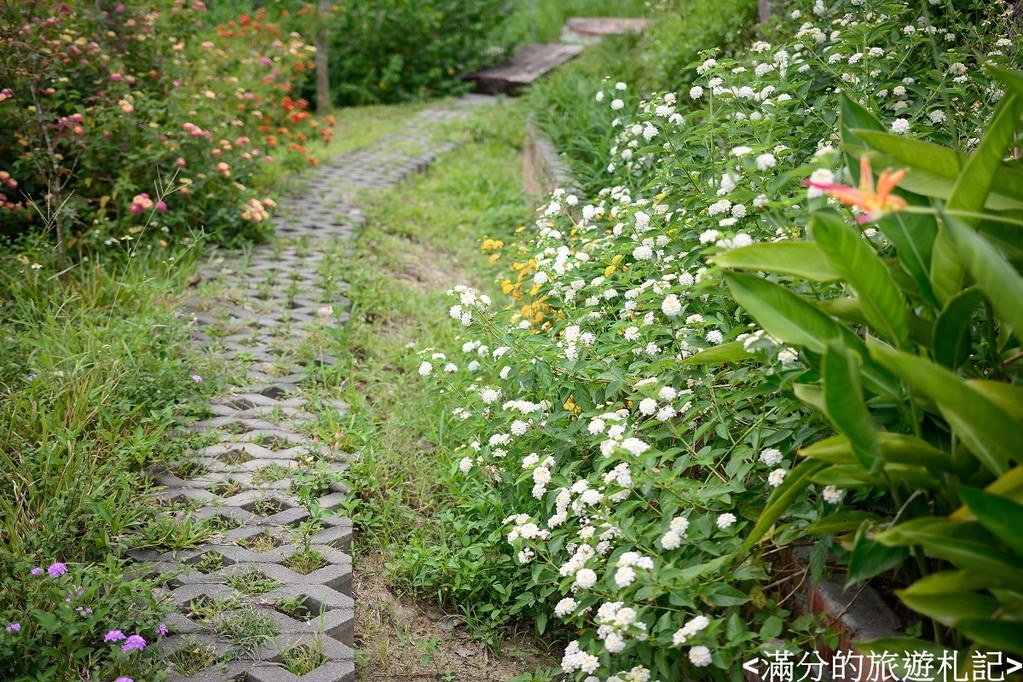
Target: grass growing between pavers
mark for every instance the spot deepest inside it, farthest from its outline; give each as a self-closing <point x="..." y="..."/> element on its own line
<point x="414" y="615"/>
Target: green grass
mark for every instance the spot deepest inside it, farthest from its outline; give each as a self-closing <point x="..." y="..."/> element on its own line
<point x="93" y="368"/>
<point x="420" y="240"/>
<point x="544" y="19"/>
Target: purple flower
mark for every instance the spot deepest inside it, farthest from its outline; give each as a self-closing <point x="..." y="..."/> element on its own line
<point x="162" y="629"/>
<point x="36" y="571"/>
<point x="56" y="569"/>
<point x="196" y="378"/>
<point x="124" y="679"/>
<point x="133" y="642"/>
<point x="113" y="636"/>
<point x="14" y="627"/>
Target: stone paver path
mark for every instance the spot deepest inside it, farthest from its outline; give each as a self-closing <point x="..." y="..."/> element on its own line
<point x="276" y="303"/>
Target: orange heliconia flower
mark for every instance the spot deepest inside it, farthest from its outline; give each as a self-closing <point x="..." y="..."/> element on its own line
<point x="874" y="204"/>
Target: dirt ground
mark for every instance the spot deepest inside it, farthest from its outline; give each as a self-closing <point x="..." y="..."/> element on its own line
<point x="402" y="638"/>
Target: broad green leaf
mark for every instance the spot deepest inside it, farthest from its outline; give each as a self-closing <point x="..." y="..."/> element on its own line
<point x="974" y="182"/>
<point x="987" y="428"/>
<point x="862" y="269"/>
<point x="783" y="314"/>
<point x="1009" y="396"/>
<point x="913" y="236"/>
<point x="949" y="609"/>
<point x="947" y="270"/>
<point x="1000" y="515"/>
<point x="966" y="544"/>
<point x="895" y="447"/>
<point x="843" y="403"/>
<point x="944" y="582"/>
<point x="842" y="522"/>
<point x="1001" y="635"/>
<point x="715" y="355"/>
<point x="952" y="342"/>
<point x="811" y="394"/>
<point x="1009" y="484"/>
<point x="849" y="476"/>
<point x="787" y="317"/>
<point x="870" y="558"/>
<point x="970" y="194"/>
<point x="1001" y="283"/>
<point x="790" y="257"/>
<point x="793" y="486"/>
<point x="854" y="116"/>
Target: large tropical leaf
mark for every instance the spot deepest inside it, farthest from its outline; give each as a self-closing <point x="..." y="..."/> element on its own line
<point x="790" y="257"/>
<point x="1001" y="283"/>
<point x="990" y="431"/>
<point x="862" y="269"/>
<point x="843" y="402"/>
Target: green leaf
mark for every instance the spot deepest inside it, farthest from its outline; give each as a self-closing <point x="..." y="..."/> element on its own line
<point x="862" y="269"/>
<point x="783" y="314"/>
<point x="965" y="544"/>
<point x="970" y="194"/>
<point x="895" y="447"/>
<point x="913" y="236"/>
<point x="811" y="394"/>
<point x="974" y="182"/>
<point x="843" y="403"/>
<point x="790" y="257"/>
<point x="949" y="609"/>
<point x="1001" y="635"/>
<point x="1000" y="515"/>
<point x="787" y="317"/>
<point x="716" y="355"/>
<point x="792" y="487"/>
<point x="854" y="116"/>
<point x="951" y="341"/>
<point x="982" y="424"/>
<point x="842" y="522"/>
<point x="1001" y="283"/>
<point x="870" y="558"/>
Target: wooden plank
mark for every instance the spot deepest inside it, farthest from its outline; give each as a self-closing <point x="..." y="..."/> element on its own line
<point x="530" y="62"/>
<point x="606" y="26"/>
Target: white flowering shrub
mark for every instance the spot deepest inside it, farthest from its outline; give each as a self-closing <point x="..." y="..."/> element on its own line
<point x="625" y="449"/>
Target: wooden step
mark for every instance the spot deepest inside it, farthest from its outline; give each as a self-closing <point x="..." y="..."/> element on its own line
<point x="591" y="29"/>
<point x="530" y="62"/>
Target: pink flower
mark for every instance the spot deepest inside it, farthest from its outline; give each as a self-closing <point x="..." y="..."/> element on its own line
<point x="196" y="378"/>
<point x="116" y="77"/>
<point x="133" y="642"/>
<point x="224" y="169"/>
<point x="126" y="106"/>
<point x="122" y="678"/>
<point x="141" y="203"/>
<point x="161" y="206"/>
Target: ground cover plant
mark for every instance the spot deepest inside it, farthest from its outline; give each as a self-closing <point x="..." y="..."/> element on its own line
<point x="636" y="415"/>
<point x="92" y="375"/>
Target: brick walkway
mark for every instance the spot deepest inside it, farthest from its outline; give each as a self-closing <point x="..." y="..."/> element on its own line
<point x="277" y="303"/>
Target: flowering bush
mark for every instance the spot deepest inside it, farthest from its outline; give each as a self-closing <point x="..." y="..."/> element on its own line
<point x="76" y="620"/>
<point x="115" y="121"/>
<point x="628" y="447"/>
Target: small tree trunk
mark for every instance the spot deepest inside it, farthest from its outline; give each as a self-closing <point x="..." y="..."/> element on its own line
<point x="763" y="10"/>
<point x="322" y="62"/>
